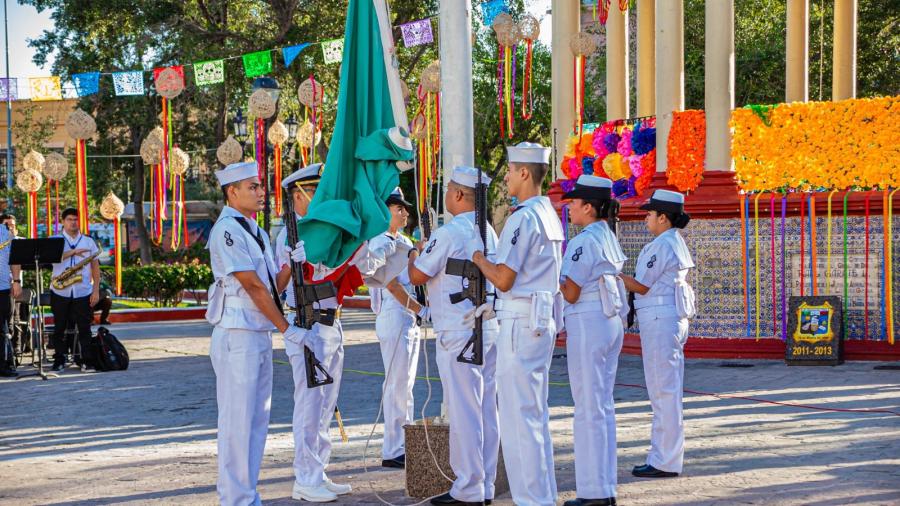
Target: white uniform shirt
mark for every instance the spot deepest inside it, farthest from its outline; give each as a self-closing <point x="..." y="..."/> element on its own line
<point x="86" y="285"/>
<point x="591" y="254"/>
<point x="449" y="241"/>
<point x="5" y="271"/>
<point x="531" y="245"/>
<point x="232" y="249"/>
<point x="382" y="299"/>
<point x="662" y="261"/>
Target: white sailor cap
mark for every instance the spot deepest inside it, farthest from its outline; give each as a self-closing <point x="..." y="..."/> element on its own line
<point x="591" y="188"/>
<point x="528" y="152"/>
<point x="396" y="197"/>
<point x="468" y="176"/>
<point x="237" y="172"/>
<point x="309" y="175"/>
<point x="665" y="201"/>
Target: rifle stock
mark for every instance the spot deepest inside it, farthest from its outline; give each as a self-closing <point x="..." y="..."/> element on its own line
<point x="305" y="296"/>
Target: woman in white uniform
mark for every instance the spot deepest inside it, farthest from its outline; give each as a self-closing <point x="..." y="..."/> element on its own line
<point x="664" y="302"/>
<point x="395" y="325"/>
<point x="593" y="316"/>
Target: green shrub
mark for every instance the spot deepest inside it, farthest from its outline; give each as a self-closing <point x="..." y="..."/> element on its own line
<point x="163" y="285"/>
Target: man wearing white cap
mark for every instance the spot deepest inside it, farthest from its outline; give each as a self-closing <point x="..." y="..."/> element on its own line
<point x="470" y="391"/>
<point x="245" y="308"/>
<point x="396" y="310"/>
<point x="664" y="302"/>
<point x="526" y="274"/>
<point x="313" y="407"/>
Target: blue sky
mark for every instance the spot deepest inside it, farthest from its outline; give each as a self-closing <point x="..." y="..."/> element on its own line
<point x="24" y="23"/>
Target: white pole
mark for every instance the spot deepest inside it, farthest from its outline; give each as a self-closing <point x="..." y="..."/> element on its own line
<point x="457" y="141"/>
<point x="719" y="83"/>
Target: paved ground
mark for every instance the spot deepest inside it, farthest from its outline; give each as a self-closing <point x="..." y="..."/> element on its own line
<point x="147" y="436"/>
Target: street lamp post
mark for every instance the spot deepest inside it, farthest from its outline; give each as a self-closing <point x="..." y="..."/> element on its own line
<point x="9" y="156"/>
<point x="270" y="85"/>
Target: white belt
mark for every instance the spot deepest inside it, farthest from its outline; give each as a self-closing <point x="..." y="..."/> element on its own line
<point x="588" y="297"/>
<point x="518" y="306"/>
<point x="240" y="303"/>
<point x="661" y="300"/>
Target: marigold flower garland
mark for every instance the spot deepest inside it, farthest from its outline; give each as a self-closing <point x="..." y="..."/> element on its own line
<point x="686" y="150"/>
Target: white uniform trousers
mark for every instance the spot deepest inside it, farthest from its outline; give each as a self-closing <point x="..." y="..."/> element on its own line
<point x="398" y="335"/>
<point x="523" y="375"/>
<point x="242" y="361"/>
<point x="593" y="346"/>
<point x="470" y="392"/>
<point x="314" y="407"/>
<point x="663" y="335"/>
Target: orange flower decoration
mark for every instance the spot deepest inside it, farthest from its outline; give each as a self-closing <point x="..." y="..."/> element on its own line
<point x="686" y="150"/>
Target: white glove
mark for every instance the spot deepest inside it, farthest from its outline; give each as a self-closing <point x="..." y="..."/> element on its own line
<point x="485" y="311"/>
<point x="295" y="335"/>
<point x="472" y="245"/>
<point x="424" y="314"/>
<point x="298" y="254"/>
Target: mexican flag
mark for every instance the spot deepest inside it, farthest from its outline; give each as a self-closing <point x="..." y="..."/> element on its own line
<point x="368" y="142"/>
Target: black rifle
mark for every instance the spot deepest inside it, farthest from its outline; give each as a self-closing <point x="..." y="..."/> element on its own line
<point x="305" y="296"/>
<point x="475" y="287"/>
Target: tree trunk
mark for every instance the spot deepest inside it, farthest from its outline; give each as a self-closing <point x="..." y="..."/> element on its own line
<point x="138" y="199"/>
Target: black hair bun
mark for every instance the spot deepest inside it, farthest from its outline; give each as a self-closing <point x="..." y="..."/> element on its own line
<point x="682" y="220"/>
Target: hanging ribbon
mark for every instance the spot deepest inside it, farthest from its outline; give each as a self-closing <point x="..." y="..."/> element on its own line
<point x="866" y="275"/>
<point x="889" y="268"/>
<point x="178" y="210"/>
<point x="813" y="247"/>
<point x="81" y="185"/>
<point x="885" y="223"/>
<point x="117" y="238"/>
<point x="802" y="244"/>
<point x="49" y="214"/>
<point x="579" y="93"/>
<point x="159" y="209"/>
<point x="603" y="10"/>
<point x="828" y="271"/>
<point x="783" y="261"/>
<point x="744" y="212"/>
<point x="756" y="262"/>
<point x="164" y="163"/>
<point x="184" y="227"/>
<point x="846" y="269"/>
<point x="772" y="250"/>
<point x="56" y="216"/>
<point x="32" y="215"/>
<point x="500" y="75"/>
<point x="527" y="92"/>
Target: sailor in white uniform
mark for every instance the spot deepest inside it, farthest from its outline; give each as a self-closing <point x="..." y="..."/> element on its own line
<point x="313" y="407"/>
<point x="664" y="301"/>
<point x="396" y="311"/>
<point x="596" y="301"/>
<point x="245" y="309"/>
<point x="528" y="306"/>
<point x="470" y="391"/>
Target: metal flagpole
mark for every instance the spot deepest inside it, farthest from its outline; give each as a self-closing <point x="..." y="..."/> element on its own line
<point x="9" y="157"/>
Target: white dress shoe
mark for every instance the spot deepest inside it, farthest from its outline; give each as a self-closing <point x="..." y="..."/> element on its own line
<point x="335" y="488"/>
<point x="313" y="494"/>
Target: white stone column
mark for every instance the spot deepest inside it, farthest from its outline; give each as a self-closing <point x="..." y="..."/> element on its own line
<point x="843" y="76"/>
<point x="456" y="85"/>
<point x="646" y="57"/>
<point x="669" y="72"/>
<point x="617" y="99"/>
<point x="719" y="82"/>
<point x="797" y="52"/>
<point x="565" y="21"/>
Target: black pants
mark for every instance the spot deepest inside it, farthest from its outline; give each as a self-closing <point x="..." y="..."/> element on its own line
<point x="5" y="311"/>
<point x="7" y="356"/>
<point x="66" y="311"/>
<point x="103" y="305"/>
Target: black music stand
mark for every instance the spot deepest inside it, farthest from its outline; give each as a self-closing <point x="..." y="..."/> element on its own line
<point x="31" y="255"/>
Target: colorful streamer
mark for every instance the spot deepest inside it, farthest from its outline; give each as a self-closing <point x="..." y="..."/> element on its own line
<point x="813" y="247"/>
<point x="527" y="91"/>
<point x="866" y="274"/>
<point x="889" y="269"/>
<point x="783" y="261"/>
<point x="277" y="183"/>
<point x="81" y="186"/>
<point x="772" y="250"/>
<point x="828" y="243"/>
<point x="744" y="212"/>
<point x="802" y="244"/>
<point x="117" y="237"/>
<point x="756" y="262"/>
<point x="32" y="215"/>
<point x="846" y="268"/>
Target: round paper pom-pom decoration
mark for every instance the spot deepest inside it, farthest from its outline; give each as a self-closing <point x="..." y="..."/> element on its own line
<point x="169" y="83"/>
<point x="33" y="161"/>
<point x="582" y="44"/>
<point x="278" y="133"/>
<point x="529" y="27"/>
<point x="507" y="35"/>
<point x="55" y="166"/>
<point x="80" y="125"/>
<point x="29" y="180"/>
<point x="431" y="77"/>
<point x="307" y="136"/>
<point x="612" y="165"/>
<point x="261" y="105"/>
<point x="229" y="151"/>
<point x="179" y="161"/>
<point x="151" y="150"/>
<point x="157" y="133"/>
<point x="112" y="207"/>
<point x="501" y="20"/>
<point x="306" y="95"/>
<point x="417" y="129"/>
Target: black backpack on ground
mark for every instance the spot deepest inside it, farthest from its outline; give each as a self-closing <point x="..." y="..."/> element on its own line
<point x="111" y="355"/>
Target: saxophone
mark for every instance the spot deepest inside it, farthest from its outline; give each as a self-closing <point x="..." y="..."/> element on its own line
<point x="71" y="275"/>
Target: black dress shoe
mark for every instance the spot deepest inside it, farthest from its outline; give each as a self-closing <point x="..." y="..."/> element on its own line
<point x="6" y="373"/>
<point x="398" y="462"/>
<point x="648" y="471"/>
<point x="58" y="364"/>
<point x="443" y="500"/>
<point x="488" y="502"/>
<point x="609" y="501"/>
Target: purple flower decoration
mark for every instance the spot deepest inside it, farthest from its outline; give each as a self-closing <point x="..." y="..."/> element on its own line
<point x="610" y="142"/>
<point x="587" y="165"/>
<point x="634" y="163"/>
<point x="624" y="145"/>
<point x="632" y="191"/>
<point x="598" y="145"/>
<point x="620" y="188"/>
<point x="643" y="141"/>
<point x="568" y="185"/>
